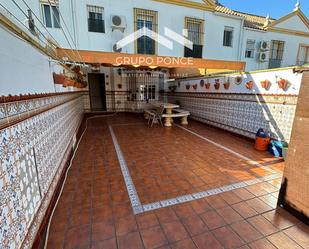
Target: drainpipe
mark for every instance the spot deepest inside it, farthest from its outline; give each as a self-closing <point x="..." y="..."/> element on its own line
<point x="241" y="38"/>
<point x="74" y="23"/>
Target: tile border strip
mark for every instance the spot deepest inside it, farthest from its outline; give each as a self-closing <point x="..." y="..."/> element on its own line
<point x="138" y="207"/>
<point x="209" y="192"/>
<point x="135" y="202"/>
<point x="249" y="160"/>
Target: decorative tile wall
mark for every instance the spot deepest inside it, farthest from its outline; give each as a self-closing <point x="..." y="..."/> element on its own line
<point x="14" y="111"/>
<point x="32" y="156"/>
<point x="241" y="114"/>
<point x="241" y="104"/>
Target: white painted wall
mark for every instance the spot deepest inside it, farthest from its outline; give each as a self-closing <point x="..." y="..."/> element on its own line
<point x="291" y="48"/>
<point x="293" y="23"/>
<point x="293" y="78"/>
<point x="74" y="13"/>
<point x="24" y="69"/>
<point x="213" y="35"/>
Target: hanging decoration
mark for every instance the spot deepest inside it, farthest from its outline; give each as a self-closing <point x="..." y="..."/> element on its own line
<point x="77" y="82"/>
<point x="227" y="84"/>
<point x="265" y="84"/>
<point x="238" y="80"/>
<point x="283" y="84"/>
<point x="249" y="85"/>
<point x="217" y="84"/>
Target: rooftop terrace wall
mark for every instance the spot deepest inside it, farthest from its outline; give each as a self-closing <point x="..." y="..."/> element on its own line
<point x="241" y="103"/>
<point x="36" y="138"/>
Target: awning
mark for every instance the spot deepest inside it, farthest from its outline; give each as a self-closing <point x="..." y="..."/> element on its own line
<point x="151" y="61"/>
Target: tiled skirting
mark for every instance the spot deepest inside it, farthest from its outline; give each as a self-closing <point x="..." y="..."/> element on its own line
<point x="33" y="154"/>
<point x="243" y="114"/>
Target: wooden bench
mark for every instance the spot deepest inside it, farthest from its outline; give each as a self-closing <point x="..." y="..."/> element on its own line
<point x="177" y="113"/>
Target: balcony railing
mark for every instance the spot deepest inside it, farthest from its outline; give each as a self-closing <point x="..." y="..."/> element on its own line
<point x="274" y="63"/>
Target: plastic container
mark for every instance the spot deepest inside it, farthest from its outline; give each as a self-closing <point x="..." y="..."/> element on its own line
<point x="275" y="148"/>
<point x="262" y="140"/>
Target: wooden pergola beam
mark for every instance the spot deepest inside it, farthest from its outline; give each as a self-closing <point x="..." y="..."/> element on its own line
<point x="123" y="59"/>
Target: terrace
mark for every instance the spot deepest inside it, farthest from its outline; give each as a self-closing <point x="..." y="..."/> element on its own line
<point x="80" y="167"/>
<point x="131" y="186"/>
<point x="74" y="177"/>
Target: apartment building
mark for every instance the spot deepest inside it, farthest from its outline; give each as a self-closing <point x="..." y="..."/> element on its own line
<point x="216" y="31"/>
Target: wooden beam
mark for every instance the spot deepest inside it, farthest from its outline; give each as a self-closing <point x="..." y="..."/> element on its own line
<point x="117" y="59"/>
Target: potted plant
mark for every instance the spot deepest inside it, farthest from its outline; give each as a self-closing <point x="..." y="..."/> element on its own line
<point x="194" y="86"/>
<point x="217" y="84"/>
<point x="265" y="84"/>
<point x="249" y="85"/>
<point x="59" y="78"/>
<point x="207" y="85"/>
<point x="188" y="87"/>
<point x="283" y="84"/>
<point x="226" y="84"/>
<point x="238" y="80"/>
<point x="202" y="82"/>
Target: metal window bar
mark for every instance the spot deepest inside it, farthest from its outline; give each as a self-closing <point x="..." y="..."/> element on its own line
<point x="142" y="85"/>
<point x="149" y="19"/>
<point x="276" y="53"/>
<point x="195" y="29"/>
<point x="96" y="19"/>
<point x="250" y="49"/>
<point x="303" y="55"/>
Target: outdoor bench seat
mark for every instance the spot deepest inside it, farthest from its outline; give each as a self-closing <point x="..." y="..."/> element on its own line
<point x="177" y="113"/>
<point x="181" y="111"/>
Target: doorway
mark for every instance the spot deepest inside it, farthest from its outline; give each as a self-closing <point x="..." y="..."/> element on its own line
<point x="97" y="91"/>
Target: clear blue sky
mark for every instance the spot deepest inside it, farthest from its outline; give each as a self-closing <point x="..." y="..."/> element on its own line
<point x="275" y="8"/>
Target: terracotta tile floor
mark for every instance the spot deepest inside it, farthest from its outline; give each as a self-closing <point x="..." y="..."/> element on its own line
<point x="95" y="211"/>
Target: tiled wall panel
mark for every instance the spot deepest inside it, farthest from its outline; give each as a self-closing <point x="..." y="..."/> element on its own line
<point x="32" y="155"/>
<point x="240" y="113"/>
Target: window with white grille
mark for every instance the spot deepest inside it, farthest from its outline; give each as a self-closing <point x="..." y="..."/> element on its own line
<point x="96" y="19"/>
<point x="250" y="48"/>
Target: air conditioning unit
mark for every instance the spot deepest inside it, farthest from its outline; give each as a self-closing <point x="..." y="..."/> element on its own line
<point x="264" y="56"/>
<point x="265" y="45"/>
<point x="118" y="22"/>
<point x="114" y="48"/>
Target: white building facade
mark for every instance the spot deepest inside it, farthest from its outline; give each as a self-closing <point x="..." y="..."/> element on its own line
<point x="216" y="31"/>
